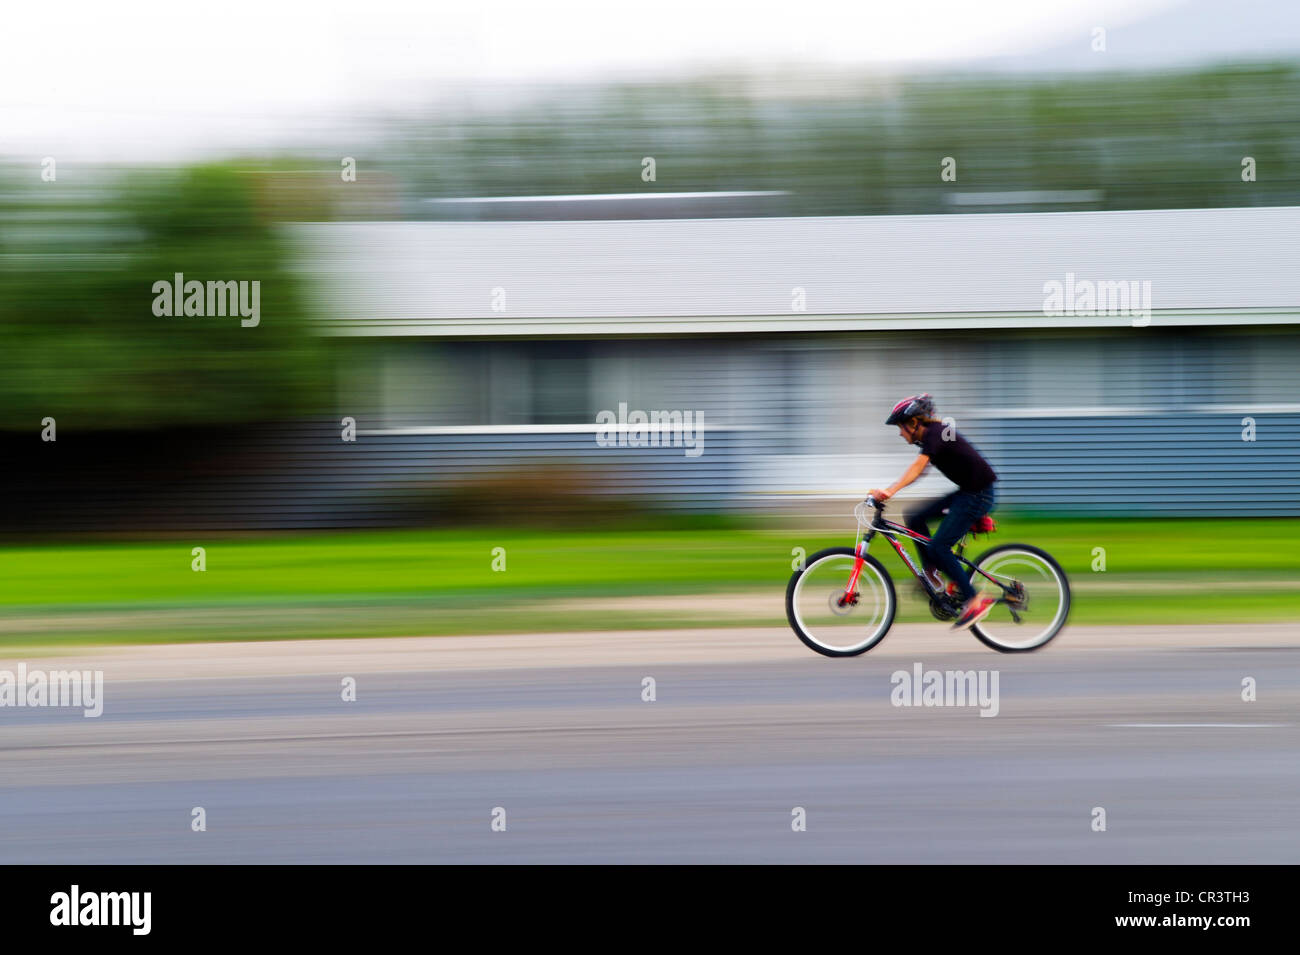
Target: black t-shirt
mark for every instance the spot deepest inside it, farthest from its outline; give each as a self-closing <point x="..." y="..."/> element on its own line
<point x="956" y="458"/>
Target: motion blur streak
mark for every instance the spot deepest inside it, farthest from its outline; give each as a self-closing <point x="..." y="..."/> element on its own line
<point x="555" y="356"/>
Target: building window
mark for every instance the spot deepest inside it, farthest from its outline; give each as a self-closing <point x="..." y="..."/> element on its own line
<point x="560" y="379"/>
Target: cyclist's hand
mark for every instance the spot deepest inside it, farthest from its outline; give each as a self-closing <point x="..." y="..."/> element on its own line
<point x="879" y="495"/>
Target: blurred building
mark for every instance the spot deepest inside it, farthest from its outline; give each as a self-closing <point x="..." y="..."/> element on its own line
<point x="481" y="349"/>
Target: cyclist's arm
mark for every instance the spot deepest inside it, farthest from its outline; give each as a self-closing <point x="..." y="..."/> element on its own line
<point x="911" y="474"/>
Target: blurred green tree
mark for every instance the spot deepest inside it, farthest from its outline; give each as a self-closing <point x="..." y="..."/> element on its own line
<point x="78" y="334"/>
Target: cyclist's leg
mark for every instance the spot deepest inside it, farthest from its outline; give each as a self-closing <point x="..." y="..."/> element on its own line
<point x="918" y="521"/>
<point x="964" y="510"/>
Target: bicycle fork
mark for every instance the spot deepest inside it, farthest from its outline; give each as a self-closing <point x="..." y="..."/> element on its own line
<point x="859" y="558"/>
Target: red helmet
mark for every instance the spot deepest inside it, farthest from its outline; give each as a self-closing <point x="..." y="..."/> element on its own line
<point x="917" y="405"/>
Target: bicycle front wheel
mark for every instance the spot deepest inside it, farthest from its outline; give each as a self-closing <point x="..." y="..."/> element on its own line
<point x="1038" y="603"/>
<point x="830" y="620"/>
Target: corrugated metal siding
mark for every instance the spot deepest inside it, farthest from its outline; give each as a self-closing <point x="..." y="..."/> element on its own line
<point x="682" y="276"/>
<point x="1130" y="422"/>
<point x="1194" y="464"/>
<point x="304" y="476"/>
<point x="386" y="480"/>
<point x="1181" y="465"/>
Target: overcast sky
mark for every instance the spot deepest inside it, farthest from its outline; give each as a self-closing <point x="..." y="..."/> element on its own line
<point x="162" y="79"/>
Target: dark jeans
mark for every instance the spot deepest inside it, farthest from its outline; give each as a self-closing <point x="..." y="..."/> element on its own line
<point x="964" y="508"/>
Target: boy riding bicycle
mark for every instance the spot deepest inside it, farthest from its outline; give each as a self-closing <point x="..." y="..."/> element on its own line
<point x="958" y="461"/>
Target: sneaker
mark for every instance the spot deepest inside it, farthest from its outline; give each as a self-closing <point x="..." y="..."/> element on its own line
<point x="976" y="609"/>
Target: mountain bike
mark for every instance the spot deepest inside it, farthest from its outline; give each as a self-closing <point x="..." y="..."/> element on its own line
<point x="841" y="602"/>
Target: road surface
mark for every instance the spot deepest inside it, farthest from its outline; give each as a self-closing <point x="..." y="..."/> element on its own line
<point x="746" y="728"/>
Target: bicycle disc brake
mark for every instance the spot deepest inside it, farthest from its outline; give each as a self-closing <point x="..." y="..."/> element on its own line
<point x="840" y="606"/>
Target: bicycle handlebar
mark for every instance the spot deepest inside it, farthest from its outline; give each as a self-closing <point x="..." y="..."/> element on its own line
<point x="863" y="519"/>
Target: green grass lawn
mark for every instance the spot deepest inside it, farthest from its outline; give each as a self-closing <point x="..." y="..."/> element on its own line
<point x="442" y="581"/>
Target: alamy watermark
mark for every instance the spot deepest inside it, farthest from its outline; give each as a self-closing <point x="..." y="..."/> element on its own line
<point x="177" y="298"/>
<point x="76" y="907"/>
<point x="654" y="429"/>
<point x="923" y="687"/>
<point x="1126" y="298"/>
<point x="83" y="688"/>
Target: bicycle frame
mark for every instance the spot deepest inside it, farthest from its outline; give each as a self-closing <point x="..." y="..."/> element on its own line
<point x="892" y="532"/>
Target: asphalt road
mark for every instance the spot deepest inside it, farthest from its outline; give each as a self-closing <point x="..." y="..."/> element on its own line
<point x="747" y="725"/>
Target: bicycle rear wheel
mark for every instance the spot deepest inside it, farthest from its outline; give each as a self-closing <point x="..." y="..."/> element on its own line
<point x="1038" y="606"/>
<point x="824" y="620"/>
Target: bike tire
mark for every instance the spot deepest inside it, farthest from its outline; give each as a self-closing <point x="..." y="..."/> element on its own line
<point x="992" y="642"/>
<point x="812" y="644"/>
